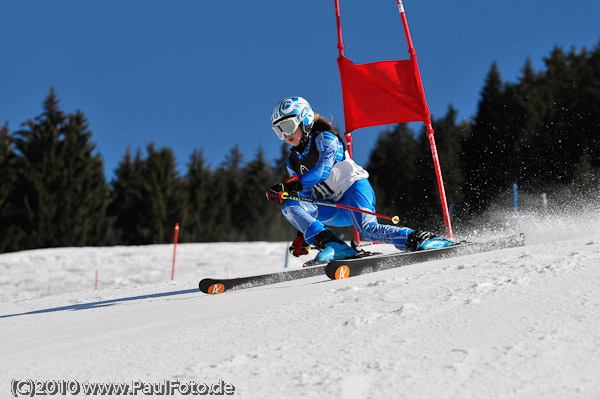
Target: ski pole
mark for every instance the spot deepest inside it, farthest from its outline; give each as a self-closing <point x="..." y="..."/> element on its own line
<point x="286" y="196"/>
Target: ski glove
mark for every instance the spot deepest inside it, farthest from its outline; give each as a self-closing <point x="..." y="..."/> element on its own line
<point x="275" y="193"/>
<point x="299" y="246"/>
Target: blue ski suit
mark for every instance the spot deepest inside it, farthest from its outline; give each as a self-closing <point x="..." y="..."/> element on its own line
<point x="327" y="173"/>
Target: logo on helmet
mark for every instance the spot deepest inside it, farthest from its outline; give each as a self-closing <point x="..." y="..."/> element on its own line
<point x="286" y="106"/>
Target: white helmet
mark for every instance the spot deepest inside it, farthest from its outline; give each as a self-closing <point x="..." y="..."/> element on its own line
<point x="291" y="113"/>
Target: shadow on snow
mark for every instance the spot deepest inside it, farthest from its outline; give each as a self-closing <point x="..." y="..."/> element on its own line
<point x="99" y="304"/>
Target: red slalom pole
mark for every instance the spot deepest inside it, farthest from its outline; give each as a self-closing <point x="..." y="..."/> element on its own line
<point x="434" y="153"/>
<point x="340" y="45"/>
<point x="175" y="249"/>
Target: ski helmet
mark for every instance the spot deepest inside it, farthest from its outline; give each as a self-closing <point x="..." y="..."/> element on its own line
<point x="290" y="113"/>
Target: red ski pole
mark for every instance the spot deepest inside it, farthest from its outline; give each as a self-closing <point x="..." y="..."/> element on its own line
<point x="286" y="196"/>
<point x="434" y="153"/>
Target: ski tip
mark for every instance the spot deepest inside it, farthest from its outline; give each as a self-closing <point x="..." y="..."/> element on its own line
<point x="209" y="286"/>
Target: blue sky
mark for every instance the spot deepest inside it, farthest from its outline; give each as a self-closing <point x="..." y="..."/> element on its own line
<point x="206" y="74"/>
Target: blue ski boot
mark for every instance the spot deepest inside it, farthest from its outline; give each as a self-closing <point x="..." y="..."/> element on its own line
<point x="423" y="240"/>
<point x="332" y="247"/>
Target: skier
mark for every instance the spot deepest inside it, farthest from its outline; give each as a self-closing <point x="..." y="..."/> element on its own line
<point x="320" y="168"/>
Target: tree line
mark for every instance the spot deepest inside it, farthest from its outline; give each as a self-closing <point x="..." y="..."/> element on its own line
<point x="53" y="191"/>
<point x="541" y="132"/>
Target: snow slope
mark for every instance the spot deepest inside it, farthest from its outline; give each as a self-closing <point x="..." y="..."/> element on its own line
<point x="516" y="323"/>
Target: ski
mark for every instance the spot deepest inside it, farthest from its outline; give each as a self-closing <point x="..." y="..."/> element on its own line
<point x="311" y="268"/>
<point x="218" y="286"/>
<point x="361" y="254"/>
<point x="341" y="269"/>
<point x="364" y="262"/>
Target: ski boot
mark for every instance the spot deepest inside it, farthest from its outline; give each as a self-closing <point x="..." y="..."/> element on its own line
<point x="332" y="247"/>
<point x="423" y="240"/>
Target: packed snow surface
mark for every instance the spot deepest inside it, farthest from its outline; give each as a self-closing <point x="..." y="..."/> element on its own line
<point x="513" y="323"/>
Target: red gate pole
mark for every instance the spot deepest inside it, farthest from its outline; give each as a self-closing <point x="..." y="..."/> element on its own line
<point x="434" y="153"/>
<point x="175" y="249"/>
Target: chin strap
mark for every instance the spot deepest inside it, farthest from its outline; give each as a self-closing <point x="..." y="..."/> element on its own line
<point x="305" y="132"/>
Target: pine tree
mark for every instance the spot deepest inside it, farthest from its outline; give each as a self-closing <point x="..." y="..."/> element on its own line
<point x="584" y="119"/>
<point x="393" y="173"/>
<point x="259" y="219"/>
<point x="60" y="181"/>
<point x="6" y="166"/>
<point x="235" y="195"/>
<point x="166" y="190"/>
<point x="167" y="198"/>
<point x="559" y="150"/>
<point x="7" y="181"/>
<point x="590" y="114"/>
<point x="488" y="152"/>
<point x="219" y="208"/>
<point x="198" y="227"/>
<point x="533" y="108"/>
<point x="148" y="197"/>
<point x="125" y="196"/>
<point x="449" y="137"/>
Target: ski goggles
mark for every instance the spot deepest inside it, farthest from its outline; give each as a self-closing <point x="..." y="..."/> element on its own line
<point x="286" y="127"/>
